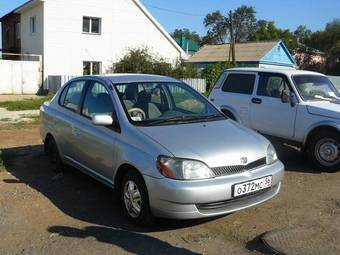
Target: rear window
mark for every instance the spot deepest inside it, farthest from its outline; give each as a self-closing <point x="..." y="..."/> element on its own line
<point x="239" y="83"/>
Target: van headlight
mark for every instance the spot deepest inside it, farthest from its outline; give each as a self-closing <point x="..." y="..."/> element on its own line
<point x="183" y="169"/>
<point x="271" y="155"/>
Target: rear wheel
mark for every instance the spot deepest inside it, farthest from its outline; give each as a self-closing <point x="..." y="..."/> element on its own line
<point x="324" y="150"/>
<point x="135" y="199"/>
<point x="53" y="155"/>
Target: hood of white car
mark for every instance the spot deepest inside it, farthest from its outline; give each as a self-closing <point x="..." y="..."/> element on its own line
<point x="216" y="143"/>
<point x="329" y="109"/>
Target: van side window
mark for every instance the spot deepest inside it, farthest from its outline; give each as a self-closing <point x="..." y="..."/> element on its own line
<point x="239" y="83"/>
<point x="71" y="99"/>
<point x="272" y="85"/>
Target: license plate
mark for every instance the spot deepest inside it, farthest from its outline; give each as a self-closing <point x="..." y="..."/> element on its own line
<point x="245" y="188"/>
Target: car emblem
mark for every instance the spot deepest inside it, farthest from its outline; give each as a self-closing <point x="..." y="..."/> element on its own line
<point x="244" y="160"/>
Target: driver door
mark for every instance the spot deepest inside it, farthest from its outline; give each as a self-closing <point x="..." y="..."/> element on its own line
<point x="269" y="114"/>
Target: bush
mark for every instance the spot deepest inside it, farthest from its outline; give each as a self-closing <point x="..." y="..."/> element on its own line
<point x="140" y="60"/>
<point x="213" y="72"/>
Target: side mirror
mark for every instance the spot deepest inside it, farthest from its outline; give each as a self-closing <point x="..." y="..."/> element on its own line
<point x="285" y="97"/>
<point x="293" y="99"/>
<point x="102" y="120"/>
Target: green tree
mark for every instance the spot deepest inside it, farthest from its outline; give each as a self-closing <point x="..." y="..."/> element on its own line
<point x="192" y="35"/>
<point x="333" y="60"/>
<point x="241" y="22"/>
<point x="217" y="30"/>
<point x="267" y="31"/>
<point x="302" y="33"/>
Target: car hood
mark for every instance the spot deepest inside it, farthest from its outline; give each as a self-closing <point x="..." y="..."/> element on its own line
<point x="217" y="143"/>
<point x="324" y="108"/>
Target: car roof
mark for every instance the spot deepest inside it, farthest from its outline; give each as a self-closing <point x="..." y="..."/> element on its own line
<point x="130" y="78"/>
<point x="286" y="71"/>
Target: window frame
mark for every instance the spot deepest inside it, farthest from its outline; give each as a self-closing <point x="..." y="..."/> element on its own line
<point x="223" y="83"/>
<point x="91" y="67"/>
<point x="66" y="88"/>
<point x="90" y="25"/>
<point x="33" y="25"/>
<point x="260" y="74"/>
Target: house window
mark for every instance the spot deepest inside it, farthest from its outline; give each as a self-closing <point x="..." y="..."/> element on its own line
<point x="17" y="31"/>
<point x="92" y="67"/>
<point x="91" y="25"/>
<point x="33" y="24"/>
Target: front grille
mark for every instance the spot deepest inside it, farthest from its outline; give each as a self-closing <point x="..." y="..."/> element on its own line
<point x="222" y="204"/>
<point x="228" y="170"/>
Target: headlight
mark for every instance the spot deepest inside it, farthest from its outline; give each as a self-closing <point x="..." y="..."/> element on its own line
<point x="183" y="169"/>
<point x="271" y="155"/>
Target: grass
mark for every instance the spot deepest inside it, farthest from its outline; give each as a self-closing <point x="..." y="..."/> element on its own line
<point x="27" y="104"/>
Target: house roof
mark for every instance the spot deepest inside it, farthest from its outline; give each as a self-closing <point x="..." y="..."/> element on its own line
<point x="245" y="52"/>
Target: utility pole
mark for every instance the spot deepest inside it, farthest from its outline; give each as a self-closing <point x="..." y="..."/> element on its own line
<point x="232" y="37"/>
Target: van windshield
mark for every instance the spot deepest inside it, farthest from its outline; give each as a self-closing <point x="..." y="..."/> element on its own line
<point x="163" y="103"/>
<point x="315" y="87"/>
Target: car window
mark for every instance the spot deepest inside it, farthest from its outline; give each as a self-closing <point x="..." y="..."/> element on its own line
<point x="239" y="83"/>
<point x="272" y="85"/>
<point x="97" y="101"/>
<point x="71" y="98"/>
<point x="186" y="101"/>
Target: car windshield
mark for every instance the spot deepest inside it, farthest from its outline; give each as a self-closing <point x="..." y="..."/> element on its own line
<point x="315" y="87"/>
<point x="164" y="103"/>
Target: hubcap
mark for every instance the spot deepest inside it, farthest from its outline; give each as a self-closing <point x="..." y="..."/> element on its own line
<point x="327" y="151"/>
<point x="132" y="199"/>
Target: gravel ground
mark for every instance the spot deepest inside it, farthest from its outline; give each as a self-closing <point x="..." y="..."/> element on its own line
<point x="41" y="213"/>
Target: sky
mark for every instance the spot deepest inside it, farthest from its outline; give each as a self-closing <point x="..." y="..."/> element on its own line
<point x="174" y="14"/>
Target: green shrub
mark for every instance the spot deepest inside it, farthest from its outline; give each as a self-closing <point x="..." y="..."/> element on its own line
<point x="140" y="60"/>
<point x="213" y="72"/>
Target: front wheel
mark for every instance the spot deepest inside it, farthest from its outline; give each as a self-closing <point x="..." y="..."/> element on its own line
<point x="324" y="150"/>
<point x="135" y="199"/>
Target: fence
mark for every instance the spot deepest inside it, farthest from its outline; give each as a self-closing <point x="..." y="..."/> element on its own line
<point x="336" y="81"/>
<point x="54" y="82"/>
<point x="20" y="73"/>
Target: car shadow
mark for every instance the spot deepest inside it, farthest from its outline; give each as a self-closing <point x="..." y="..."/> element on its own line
<point x="142" y="244"/>
<point x="293" y="159"/>
<point x="75" y="193"/>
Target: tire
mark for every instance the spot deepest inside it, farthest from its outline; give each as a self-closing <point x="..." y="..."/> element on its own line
<point x="137" y="211"/>
<point x="54" y="156"/>
<point x="324" y="151"/>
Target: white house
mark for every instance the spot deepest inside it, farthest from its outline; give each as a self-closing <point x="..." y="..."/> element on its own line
<point x="77" y="37"/>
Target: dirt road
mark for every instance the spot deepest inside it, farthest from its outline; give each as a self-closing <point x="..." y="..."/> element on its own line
<point x="74" y="214"/>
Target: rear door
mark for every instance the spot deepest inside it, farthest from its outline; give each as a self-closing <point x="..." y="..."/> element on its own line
<point x="236" y="93"/>
<point x="269" y="114"/>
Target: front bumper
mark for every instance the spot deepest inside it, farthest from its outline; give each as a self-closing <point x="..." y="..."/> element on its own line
<point x="207" y="198"/>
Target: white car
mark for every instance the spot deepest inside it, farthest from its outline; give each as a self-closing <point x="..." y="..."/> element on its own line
<point x="298" y="106"/>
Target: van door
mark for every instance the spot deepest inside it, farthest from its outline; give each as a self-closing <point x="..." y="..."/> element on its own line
<point x="236" y="93"/>
<point x="269" y="114"/>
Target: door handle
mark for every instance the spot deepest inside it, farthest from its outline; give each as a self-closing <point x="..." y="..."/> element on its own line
<point x="256" y="100"/>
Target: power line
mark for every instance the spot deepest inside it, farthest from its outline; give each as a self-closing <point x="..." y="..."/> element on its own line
<point x="174" y="11"/>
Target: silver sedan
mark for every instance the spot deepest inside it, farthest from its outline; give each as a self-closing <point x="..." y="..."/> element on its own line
<point x="161" y="145"/>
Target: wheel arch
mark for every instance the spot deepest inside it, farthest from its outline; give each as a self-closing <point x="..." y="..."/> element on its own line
<point x="318" y="128"/>
<point x="120" y="173"/>
<point x="230" y="112"/>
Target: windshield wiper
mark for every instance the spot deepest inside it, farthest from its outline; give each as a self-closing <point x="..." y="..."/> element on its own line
<point x="329" y="99"/>
<point x="182" y="118"/>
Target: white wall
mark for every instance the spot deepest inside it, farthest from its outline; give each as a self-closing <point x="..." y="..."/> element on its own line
<point x="123" y="26"/>
<point x="32" y="43"/>
<point x="20" y="77"/>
